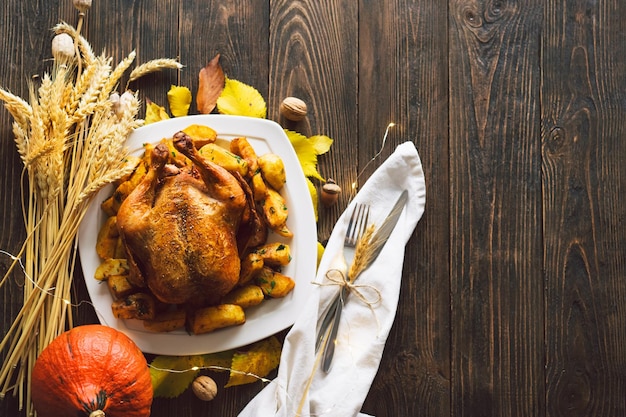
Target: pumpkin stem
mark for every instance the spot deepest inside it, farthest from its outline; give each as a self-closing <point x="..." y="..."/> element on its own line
<point x="97" y="413"/>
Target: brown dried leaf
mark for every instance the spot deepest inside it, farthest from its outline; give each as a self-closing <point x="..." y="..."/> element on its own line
<point x="210" y="85"/>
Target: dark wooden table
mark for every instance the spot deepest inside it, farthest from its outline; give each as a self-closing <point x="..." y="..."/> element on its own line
<point x="514" y="292"/>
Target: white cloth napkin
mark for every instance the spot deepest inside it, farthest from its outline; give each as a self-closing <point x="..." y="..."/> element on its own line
<point x="301" y="387"/>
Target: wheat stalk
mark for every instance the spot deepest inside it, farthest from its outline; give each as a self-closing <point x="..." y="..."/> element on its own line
<point x="117" y="74"/>
<point x="363" y="253"/>
<point x="19" y="108"/>
<point x="153" y="66"/>
<point x="71" y="139"/>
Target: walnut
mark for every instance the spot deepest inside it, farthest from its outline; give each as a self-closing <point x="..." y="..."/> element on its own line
<point x="293" y="109"/>
<point x="204" y="387"/>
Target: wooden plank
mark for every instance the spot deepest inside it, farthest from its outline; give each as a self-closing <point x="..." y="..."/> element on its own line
<point x="313" y="56"/>
<point x="237" y="30"/>
<point x="495" y="202"/>
<point x="403" y="78"/>
<point x="584" y="180"/>
<point x="121" y="26"/>
<point x="25" y="42"/>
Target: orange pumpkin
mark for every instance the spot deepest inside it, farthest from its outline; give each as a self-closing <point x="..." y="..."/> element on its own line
<point x="92" y="370"/>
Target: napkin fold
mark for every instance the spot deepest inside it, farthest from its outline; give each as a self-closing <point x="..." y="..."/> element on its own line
<point x="301" y="388"/>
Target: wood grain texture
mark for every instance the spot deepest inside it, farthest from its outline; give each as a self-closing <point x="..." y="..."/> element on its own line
<point x="313" y="56"/>
<point x="403" y="78"/>
<point x="236" y="30"/>
<point x="583" y="150"/>
<point x="495" y="201"/>
<point x="25" y="40"/>
<point x="513" y="291"/>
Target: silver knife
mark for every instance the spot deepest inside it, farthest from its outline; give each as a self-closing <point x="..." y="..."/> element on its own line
<point x="377" y="243"/>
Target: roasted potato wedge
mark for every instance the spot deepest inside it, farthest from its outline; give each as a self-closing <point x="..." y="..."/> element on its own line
<point x="245" y="297"/>
<point x="273" y="170"/>
<point x="276" y="212"/>
<point x="120" y="287"/>
<point x="259" y="187"/>
<point x="110" y="267"/>
<point x="273" y="283"/>
<point x="120" y="251"/>
<point x="110" y="206"/>
<point x="135" y="306"/>
<point x="106" y="242"/>
<point x="251" y="264"/>
<point x="274" y="254"/>
<point x="200" y="135"/>
<point x="227" y="160"/>
<point x="208" y="319"/>
<point x="242" y="148"/>
<point x="166" y="321"/>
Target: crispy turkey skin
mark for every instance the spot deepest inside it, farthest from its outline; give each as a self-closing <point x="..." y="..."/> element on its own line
<point x="180" y="229"/>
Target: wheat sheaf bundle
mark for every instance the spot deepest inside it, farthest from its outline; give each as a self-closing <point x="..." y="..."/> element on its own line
<point x="70" y="135"/>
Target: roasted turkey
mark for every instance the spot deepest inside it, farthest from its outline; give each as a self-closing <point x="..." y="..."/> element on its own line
<point x="180" y="226"/>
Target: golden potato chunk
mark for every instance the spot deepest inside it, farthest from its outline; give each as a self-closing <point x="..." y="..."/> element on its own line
<point x="120" y="287"/>
<point x="136" y="306"/>
<point x="224" y="158"/>
<point x="167" y="321"/>
<point x="200" y="135"/>
<point x="274" y="284"/>
<point x="245" y="297"/>
<point x="242" y="148"/>
<point x="251" y="264"/>
<point x="273" y="170"/>
<point x="106" y="242"/>
<point x="208" y="319"/>
<point x="110" y="267"/>
<point x="276" y="212"/>
<point x="275" y="254"/>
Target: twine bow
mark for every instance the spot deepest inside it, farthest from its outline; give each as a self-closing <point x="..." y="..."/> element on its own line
<point x="341" y="279"/>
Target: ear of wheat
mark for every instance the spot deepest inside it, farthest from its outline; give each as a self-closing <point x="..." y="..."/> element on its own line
<point x="70" y="138"/>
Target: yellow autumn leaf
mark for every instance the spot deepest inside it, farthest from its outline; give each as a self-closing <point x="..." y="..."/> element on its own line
<point x="314" y="199"/>
<point x="321" y="143"/>
<point x="320" y="252"/>
<point x="172" y="375"/>
<point x="154" y="113"/>
<point x="241" y="99"/>
<point x="306" y="152"/>
<point x="255" y="363"/>
<point x="179" y="99"/>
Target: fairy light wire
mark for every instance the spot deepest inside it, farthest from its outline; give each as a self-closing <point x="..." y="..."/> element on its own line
<point x="51" y="291"/>
<point x="355" y="184"/>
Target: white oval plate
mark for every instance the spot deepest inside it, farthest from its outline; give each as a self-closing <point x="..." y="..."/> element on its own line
<point x="262" y="321"/>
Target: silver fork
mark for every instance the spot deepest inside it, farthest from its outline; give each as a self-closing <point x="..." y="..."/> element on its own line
<point x="356" y="228"/>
